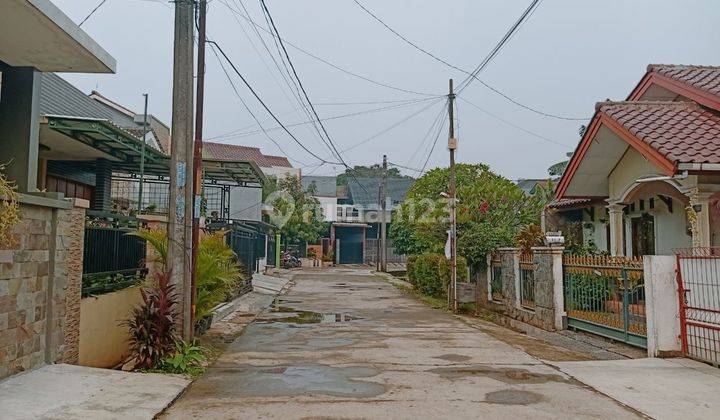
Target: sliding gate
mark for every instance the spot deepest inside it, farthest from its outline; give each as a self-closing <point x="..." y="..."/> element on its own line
<point x="606" y="296"/>
<point x="698" y="276"/>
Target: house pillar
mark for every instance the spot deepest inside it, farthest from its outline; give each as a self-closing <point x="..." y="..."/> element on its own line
<point x="700" y="212"/>
<point x="19" y="125"/>
<point x="616" y="229"/>
<point x="101" y="197"/>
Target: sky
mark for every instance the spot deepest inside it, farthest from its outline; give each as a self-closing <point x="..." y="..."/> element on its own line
<point x="567" y="56"/>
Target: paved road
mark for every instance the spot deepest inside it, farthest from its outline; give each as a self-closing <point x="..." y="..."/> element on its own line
<point x="346" y="344"/>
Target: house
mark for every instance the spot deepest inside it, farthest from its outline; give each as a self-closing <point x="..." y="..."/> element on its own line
<point x="531" y="186"/>
<point x="644" y="179"/>
<point x="326" y="192"/>
<point x="41" y="259"/>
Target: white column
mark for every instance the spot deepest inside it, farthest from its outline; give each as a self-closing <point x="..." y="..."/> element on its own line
<point x="701" y="207"/>
<point x="616" y="229"/>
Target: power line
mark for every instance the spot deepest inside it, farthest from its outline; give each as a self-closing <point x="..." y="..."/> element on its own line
<point x="428" y="133"/>
<point x="263" y="103"/>
<point x="470" y="74"/>
<point x="238" y="133"/>
<point x="432" y="149"/>
<point x="92" y="12"/>
<point x="327" y="62"/>
<point x="511" y="124"/>
<point x="237" y="93"/>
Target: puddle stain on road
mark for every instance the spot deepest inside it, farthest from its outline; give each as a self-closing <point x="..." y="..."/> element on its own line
<point x="506" y="375"/>
<point x="291" y="380"/>
<point x="513" y="397"/>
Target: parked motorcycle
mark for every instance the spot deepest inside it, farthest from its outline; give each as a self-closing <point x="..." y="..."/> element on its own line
<point x="289" y="261"/>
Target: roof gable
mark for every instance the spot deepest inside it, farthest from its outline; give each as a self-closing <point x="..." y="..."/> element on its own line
<point x="223" y="151"/>
<point x="697" y="83"/>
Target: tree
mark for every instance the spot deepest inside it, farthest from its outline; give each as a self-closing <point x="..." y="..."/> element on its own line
<point x="297" y="212"/>
<point x="491" y="210"/>
<point x="373" y="171"/>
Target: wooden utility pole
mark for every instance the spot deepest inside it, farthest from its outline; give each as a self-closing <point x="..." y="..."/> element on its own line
<point x="452" y="145"/>
<point x="181" y="204"/>
<point x="383" y="217"/>
<point x="197" y="151"/>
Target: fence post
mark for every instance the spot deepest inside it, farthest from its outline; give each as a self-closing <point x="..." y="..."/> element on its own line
<point x="509" y="261"/>
<point x="549" y="298"/>
<point x="662" y="307"/>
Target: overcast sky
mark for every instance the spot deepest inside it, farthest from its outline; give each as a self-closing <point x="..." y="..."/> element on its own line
<point x="567" y="56"/>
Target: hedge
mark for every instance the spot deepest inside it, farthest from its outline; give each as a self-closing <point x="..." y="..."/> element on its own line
<point x="430" y="273"/>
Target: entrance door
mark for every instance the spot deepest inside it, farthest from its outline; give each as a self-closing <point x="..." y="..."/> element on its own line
<point x="643" y="235"/>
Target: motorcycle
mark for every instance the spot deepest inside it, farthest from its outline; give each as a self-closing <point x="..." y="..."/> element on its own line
<point x="289" y="261"/>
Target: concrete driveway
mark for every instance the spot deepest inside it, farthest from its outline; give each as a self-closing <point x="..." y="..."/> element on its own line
<point x="346" y="344"/>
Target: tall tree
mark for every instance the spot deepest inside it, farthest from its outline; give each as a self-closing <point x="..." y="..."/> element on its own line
<point x="491" y="210"/>
<point x="372" y="171"/>
<point x="297" y="212"/>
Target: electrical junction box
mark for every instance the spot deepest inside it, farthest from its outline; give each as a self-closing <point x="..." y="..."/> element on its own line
<point x="452" y="143"/>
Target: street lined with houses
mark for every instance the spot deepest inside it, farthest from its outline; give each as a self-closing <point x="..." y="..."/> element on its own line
<point x="359" y="209"/>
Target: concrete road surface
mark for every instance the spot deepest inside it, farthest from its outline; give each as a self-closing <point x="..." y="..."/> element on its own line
<point x="346" y="344"/>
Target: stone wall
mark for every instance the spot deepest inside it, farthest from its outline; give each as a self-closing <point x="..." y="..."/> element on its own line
<point x="40" y="285"/>
<point x="548" y="311"/>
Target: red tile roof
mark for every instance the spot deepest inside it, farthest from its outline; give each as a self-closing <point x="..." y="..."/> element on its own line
<point x="222" y="151"/>
<point x="682" y="132"/>
<point x="706" y="78"/>
<point x="568" y="202"/>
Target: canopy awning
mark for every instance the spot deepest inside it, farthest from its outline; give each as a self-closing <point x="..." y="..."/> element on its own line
<point x="103" y="138"/>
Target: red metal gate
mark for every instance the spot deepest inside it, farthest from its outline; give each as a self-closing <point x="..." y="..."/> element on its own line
<point x="698" y="276"/>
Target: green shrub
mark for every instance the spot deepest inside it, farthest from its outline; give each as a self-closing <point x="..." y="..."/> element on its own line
<point x="410" y="266"/>
<point x="430" y="273"/>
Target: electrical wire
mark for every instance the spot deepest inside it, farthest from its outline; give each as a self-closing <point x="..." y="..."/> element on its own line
<point x="432" y="149"/>
<point x="469" y="74"/>
<point x="219" y="48"/>
<point x="92" y="12"/>
<point x="511" y="124"/>
<point x="325" y="61"/>
<point x="427" y="135"/>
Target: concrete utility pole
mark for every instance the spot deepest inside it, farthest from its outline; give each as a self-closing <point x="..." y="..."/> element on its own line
<point x="383" y="218"/>
<point x="180" y="212"/>
<point x="377" y="236"/>
<point x="142" y="156"/>
<point x="197" y="150"/>
<point x="452" y="145"/>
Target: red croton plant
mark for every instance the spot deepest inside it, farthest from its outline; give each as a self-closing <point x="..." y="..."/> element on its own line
<point x="152" y="324"/>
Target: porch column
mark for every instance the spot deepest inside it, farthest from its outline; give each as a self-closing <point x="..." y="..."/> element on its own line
<point x="700" y="203"/>
<point x="616" y="229"/>
<point x="19" y="125"/>
<point x="103" y="185"/>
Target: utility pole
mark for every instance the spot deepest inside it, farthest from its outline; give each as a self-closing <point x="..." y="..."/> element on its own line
<point x="383" y="218"/>
<point x="452" y="145"/>
<point x="197" y="151"/>
<point x="142" y="155"/>
<point x="377" y="244"/>
<point x="181" y="160"/>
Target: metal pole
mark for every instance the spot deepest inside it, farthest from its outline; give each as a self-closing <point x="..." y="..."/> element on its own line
<point x="142" y="155"/>
<point x="197" y="151"/>
<point x="452" y="145"/>
<point x="181" y="195"/>
<point x="277" y="251"/>
<point x="383" y="218"/>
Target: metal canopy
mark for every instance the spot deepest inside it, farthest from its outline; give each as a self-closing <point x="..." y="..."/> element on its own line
<point x="125" y="149"/>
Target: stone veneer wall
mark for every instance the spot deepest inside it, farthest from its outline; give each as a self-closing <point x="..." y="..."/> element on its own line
<point x="40" y="286"/>
<point x="548" y="310"/>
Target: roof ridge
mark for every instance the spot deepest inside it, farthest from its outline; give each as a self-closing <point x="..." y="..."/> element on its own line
<point x="94" y="94"/>
<point x="231" y="145"/>
<point x="652" y="67"/>
<point x="678" y="104"/>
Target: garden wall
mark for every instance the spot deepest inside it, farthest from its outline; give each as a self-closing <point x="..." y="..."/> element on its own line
<point x="500" y="287"/>
<point x="103" y="340"/>
<point x="40" y="284"/>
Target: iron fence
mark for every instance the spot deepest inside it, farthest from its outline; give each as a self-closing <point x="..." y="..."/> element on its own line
<point x="606" y="296"/>
<point x="698" y="276"/>
<point x="112" y="259"/>
<point x="527" y="281"/>
<point x="496" y="292"/>
<point x="371" y="252"/>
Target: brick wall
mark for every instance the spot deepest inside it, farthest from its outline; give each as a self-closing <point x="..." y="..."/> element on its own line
<point x="40" y="282"/>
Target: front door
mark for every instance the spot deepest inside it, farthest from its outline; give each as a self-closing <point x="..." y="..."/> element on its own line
<point x="643" y="235"/>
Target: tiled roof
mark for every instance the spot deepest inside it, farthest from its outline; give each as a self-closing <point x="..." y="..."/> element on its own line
<point x="234" y="152"/>
<point x="682" y="132"/>
<point x="706" y="78"/>
<point x="568" y="202"/>
<point x="364" y="191"/>
<point x="325" y="186"/>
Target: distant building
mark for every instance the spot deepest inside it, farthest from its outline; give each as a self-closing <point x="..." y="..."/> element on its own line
<point x="326" y="192"/>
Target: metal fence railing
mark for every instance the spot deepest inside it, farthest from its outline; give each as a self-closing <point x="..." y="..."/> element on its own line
<point x="112" y="259"/>
<point x="606" y="296"/>
<point x="698" y="276"/>
<point x="527" y="281"/>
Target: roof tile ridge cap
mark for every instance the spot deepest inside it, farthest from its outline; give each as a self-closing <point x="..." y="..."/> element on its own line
<point x="678" y="104"/>
<point x="657" y="66"/>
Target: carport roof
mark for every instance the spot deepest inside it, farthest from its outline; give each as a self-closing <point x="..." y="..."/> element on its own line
<point x="124" y="149"/>
<point x="35" y="33"/>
